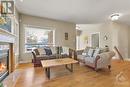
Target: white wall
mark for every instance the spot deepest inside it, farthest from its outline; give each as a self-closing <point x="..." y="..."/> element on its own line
<point x="117" y="34"/>
<point x="121" y="38"/>
<point x="129" y="43"/>
<point x="60" y="28"/>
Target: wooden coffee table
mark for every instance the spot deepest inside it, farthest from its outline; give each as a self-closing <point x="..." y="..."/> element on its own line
<point x="57" y="62"/>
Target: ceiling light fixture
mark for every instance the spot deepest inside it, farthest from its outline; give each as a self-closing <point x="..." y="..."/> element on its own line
<point x="21" y="0"/>
<point x="115" y="16"/>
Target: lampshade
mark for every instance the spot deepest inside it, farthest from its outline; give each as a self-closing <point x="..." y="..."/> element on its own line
<point x="78" y="32"/>
<point x="2" y="21"/>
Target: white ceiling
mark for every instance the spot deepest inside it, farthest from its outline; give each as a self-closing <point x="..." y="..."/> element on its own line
<point x="76" y="11"/>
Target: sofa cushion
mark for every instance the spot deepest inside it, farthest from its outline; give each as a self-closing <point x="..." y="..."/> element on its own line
<point x="90" y="52"/>
<point x="65" y="50"/>
<point x="42" y="57"/>
<point x="89" y="60"/>
<point x="41" y="51"/>
<point x="85" y="52"/>
<point x="53" y="50"/>
<point x="96" y="52"/>
<point x="81" y="57"/>
<point x="64" y="55"/>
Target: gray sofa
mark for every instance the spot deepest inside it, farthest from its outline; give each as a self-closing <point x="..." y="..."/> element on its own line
<point x="96" y="58"/>
<point x="47" y="53"/>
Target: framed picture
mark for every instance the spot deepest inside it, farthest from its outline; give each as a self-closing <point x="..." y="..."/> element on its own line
<point x="66" y="36"/>
<point x="7" y="26"/>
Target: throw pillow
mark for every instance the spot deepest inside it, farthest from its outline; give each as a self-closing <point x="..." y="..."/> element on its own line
<point x="90" y="52"/>
<point x="86" y="50"/>
<point x="84" y="54"/>
<point x="65" y="50"/>
<point x="96" y="52"/>
<point x="53" y="49"/>
<point x="48" y="51"/>
<point x="41" y="51"/>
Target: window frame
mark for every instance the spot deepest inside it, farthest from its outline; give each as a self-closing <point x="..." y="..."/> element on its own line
<point x="45" y="28"/>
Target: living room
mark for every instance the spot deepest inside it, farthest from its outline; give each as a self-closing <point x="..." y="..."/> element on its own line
<point x="63" y="43"/>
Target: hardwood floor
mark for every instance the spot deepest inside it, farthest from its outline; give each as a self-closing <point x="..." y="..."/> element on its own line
<point x="81" y="77"/>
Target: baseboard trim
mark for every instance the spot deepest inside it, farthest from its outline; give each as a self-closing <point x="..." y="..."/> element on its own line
<point x="127" y="59"/>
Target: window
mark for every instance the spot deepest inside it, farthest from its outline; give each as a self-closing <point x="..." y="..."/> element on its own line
<point x="37" y="37"/>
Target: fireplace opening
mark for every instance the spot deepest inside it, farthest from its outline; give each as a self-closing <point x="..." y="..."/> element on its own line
<point x="2" y="68"/>
<point x="4" y="61"/>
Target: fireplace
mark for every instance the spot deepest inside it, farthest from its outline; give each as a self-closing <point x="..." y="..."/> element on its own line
<point x="4" y="60"/>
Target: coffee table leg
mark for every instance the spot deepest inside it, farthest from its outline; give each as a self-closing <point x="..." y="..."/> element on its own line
<point x="71" y="67"/>
<point x="47" y="71"/>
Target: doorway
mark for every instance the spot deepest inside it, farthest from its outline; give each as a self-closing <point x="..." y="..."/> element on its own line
<point x="95" y="39"/>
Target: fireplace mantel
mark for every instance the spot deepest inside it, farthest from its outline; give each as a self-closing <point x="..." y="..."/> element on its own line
<point x="6" y="36"/>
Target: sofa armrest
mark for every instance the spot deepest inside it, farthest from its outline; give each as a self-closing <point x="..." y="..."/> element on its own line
<point x="104" y="59"/>
<point x="106" y="55"/>
<point x="72" y="53"/>
<point x="79" y="52"/>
